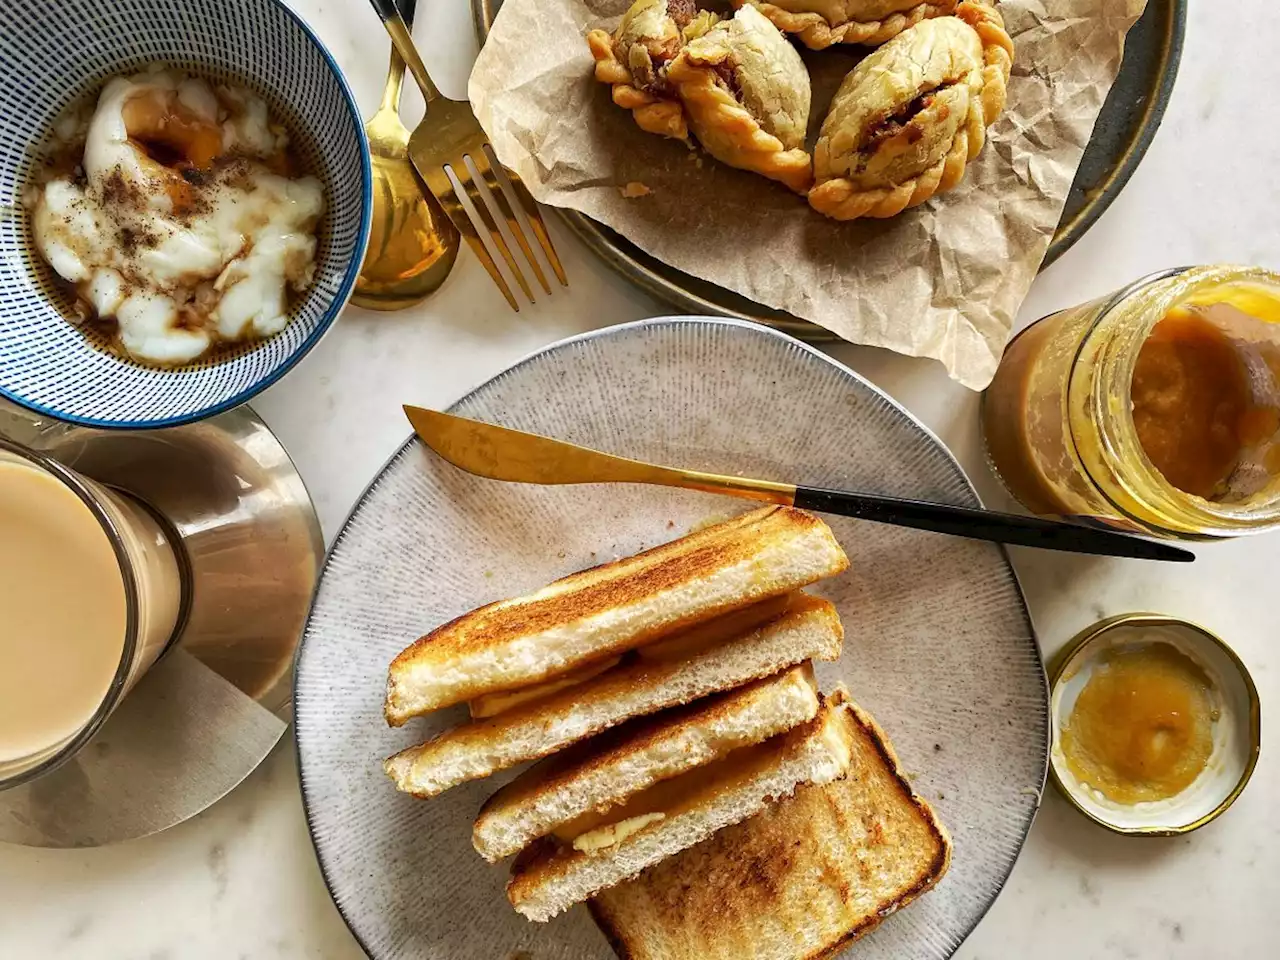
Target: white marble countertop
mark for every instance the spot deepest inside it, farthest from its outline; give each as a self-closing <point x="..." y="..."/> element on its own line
<point x="241" y="880"/>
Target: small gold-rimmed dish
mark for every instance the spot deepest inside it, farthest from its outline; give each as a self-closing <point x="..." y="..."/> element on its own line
<point x="1156" y="724"/>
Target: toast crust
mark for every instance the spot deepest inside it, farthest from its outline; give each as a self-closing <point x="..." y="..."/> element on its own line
<point x="626" y="691"/>
<point x="603" y="771"/>
<point x="765" y="867"/>
<point x="547" y="876"/>
<point x="580" y="600"/>
<point x="936" y="868"/>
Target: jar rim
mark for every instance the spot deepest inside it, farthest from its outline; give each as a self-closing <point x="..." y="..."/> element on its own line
<point x="1120" y="450"/>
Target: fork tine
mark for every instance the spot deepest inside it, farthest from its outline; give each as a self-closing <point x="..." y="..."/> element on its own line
<point x="535" y="221"/>
<point x="482" y="208"/>
<point x="491" y="180"/>
<point x="453" y="208"/>
<point x="439" y="147"/>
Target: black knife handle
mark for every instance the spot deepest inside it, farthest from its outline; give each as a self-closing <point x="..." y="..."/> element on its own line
<point x="988" y="525"/>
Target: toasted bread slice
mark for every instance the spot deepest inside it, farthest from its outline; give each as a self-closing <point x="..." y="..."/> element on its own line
<point x="612" y="608"/>
<point x="551" y="876"/>
<point x="604" y="771"/>
<point x="809" y="629"/>
<point x="680" y="645"/>
<point x="799" y="881"/>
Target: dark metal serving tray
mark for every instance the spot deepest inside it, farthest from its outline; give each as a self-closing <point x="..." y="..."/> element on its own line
<point x="1125" y="128"/>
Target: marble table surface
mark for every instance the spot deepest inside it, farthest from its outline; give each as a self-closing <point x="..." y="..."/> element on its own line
<point x="241" y="880"/>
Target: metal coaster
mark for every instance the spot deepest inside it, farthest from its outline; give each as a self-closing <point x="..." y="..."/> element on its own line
<point x="209" y="712"/>
<point x="1124" y="129"/>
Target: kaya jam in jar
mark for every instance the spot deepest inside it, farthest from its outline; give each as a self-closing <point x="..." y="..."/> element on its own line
<point x="1155" y="408"/>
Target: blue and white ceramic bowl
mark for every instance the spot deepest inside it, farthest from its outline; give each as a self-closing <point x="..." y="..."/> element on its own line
<point x="52" y="54"/>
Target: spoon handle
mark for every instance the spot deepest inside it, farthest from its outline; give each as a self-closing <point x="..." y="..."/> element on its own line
<point x="481" y="16"/>
<point x="987" y="525"/>
<point x="395" y="71"/>
<point x="403" y="42"/>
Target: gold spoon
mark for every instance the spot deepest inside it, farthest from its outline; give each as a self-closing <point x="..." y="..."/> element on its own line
<point x="412" y="244"/>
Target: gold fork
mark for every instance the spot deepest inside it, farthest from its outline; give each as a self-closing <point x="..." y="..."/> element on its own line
<point x="447" y="137"/>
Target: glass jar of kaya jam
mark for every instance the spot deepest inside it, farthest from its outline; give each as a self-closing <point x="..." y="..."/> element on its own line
<point x="1156" y="407"/>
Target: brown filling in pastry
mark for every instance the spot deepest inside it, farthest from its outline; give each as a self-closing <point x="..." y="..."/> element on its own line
<point x="648" y="74"/>
<point x="682" y="11"/>
<point x="651" y="76"/>
<point x="726" y="72"/>
<point x="892" y="126"/>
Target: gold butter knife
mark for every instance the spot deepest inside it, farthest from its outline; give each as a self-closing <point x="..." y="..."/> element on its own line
<point x="500" y="453"/>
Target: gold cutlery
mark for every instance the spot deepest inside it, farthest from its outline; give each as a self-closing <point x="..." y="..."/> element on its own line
<point x="500" y="453"/>
<point x="413" y="244"/>
<point x="443" y="142"/>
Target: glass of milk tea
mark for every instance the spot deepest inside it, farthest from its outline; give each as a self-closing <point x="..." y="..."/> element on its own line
<point x="90" y="593"/>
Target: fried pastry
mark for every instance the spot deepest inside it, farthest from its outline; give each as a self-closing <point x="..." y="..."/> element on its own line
<point x="821" y="23"/>
<point x="634" y="60"/>
<point x="745" y="93"/>
<point x="911" y="115"/>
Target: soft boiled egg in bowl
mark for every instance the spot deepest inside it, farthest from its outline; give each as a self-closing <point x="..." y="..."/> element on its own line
<point x="185" y="199"/>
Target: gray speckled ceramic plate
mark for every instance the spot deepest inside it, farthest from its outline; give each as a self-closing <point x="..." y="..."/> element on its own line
<point x="939" y="645"/>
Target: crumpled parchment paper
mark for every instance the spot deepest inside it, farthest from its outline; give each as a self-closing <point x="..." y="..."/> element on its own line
<point x="943" y="280"/>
